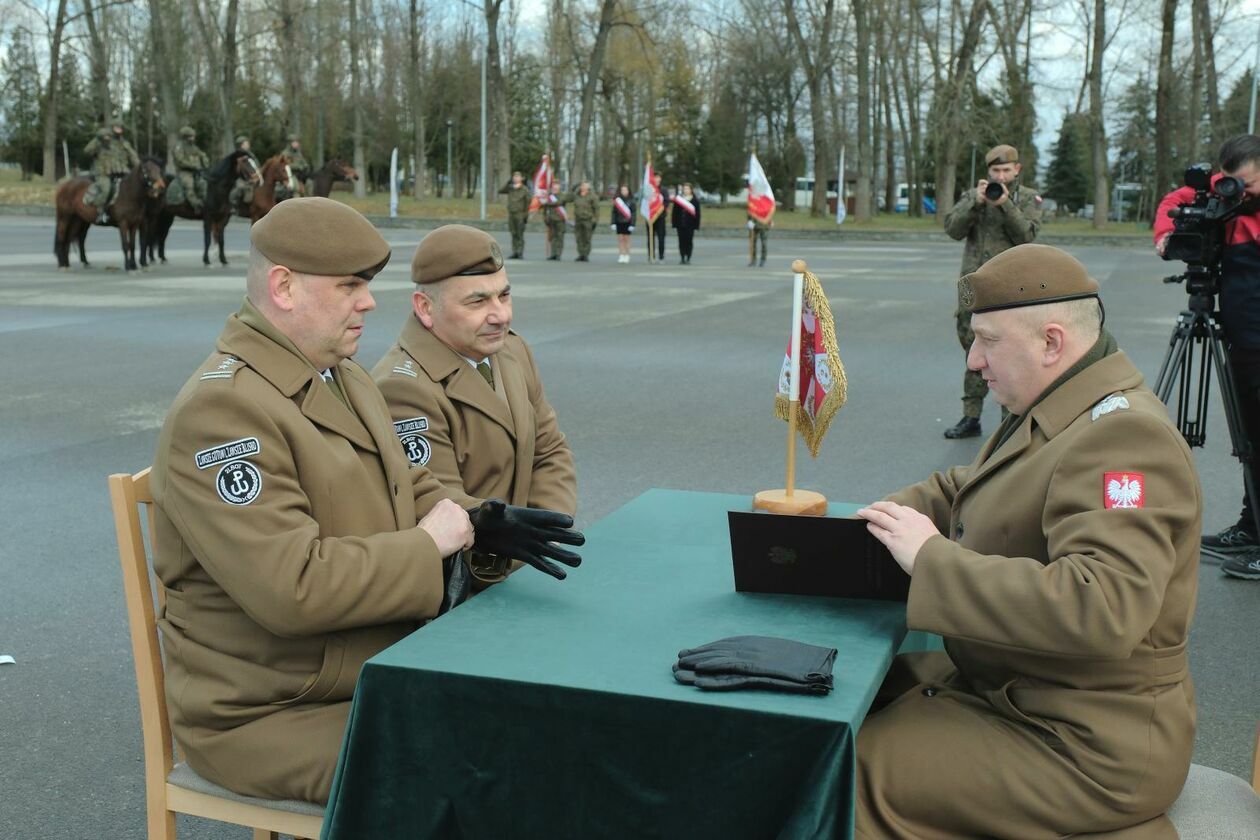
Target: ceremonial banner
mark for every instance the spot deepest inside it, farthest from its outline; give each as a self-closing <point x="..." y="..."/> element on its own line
<point x="760" y="196"/>
<point x="651" y="204"/>
<point x="822" y="387"/>
<point x="542" y="179"/>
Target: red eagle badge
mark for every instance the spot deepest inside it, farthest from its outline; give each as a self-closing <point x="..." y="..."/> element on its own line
<point x="1124" y="490"/>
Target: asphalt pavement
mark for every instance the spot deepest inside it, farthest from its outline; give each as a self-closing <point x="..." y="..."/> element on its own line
<point x="663" y="375"/>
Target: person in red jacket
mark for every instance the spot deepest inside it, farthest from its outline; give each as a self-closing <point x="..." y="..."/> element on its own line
<point x="1237" y="545"/>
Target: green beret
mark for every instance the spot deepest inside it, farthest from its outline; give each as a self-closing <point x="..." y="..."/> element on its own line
<point x="1023" y="276"/>
<point x="1001" y="154"/>
<point x="320" y="236"/>
<point x="453" y="250"/>
<point x="187" y="131"/>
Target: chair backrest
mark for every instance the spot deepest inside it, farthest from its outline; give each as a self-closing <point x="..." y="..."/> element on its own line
<point x="128" y="495"/>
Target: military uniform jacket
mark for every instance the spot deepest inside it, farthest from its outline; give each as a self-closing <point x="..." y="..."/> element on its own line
<point x="188" y="157"/>
<point x="112" y="157"/>
<point x="286" y="538"/>
<point x="1068" y="580"/>
<point x="480" y="444"/>
<point x="518" y="198"/>
<point x="990" y="229"/>
<point x="585" y="207"/>
<point x="553" y="214"/>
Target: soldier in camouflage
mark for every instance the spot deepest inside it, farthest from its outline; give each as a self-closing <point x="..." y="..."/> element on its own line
<point x="190" y="164"/>
<point x="299" y="168"/>
<point x="990" y="225"/>
<point x="242" y="194"/>
<point x="585" y="215"/>
<point x="555" y="218"/>
<point x="112" y="158"/>
<point x="518" y="199"/>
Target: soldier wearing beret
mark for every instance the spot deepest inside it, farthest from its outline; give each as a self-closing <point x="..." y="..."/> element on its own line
<point x="1061" y="568"/>
<point x="998" y="214"/>
<point x="463" y="389"/>
<point x="292" y="538"/>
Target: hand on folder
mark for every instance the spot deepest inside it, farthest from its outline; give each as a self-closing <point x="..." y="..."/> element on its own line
<point x="903" y="530"/>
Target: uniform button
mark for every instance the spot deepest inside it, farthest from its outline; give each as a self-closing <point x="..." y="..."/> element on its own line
<point x="929" y="692"/>
<point x="958" y="531"/>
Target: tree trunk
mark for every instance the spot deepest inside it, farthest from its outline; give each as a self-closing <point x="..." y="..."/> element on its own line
<point x="862" y="32"/>
<point x="594" y="68"/>
<point x="417" y="105"/>
<point x="99" y="64"/>
<point x="816" y="70"/>
<point x="1097" y="131"/>
<point x="165" y="78"/>
<point x="287" y="18"/>
<point x="500" y="152"/>
<point x="51" y="97"/>
<point x="356" y="101"/>
<point x="227" y="90"/>
<point x="1164" y="101"/>
<point x="949" y="111"/>
<point x="1204" y="18"/>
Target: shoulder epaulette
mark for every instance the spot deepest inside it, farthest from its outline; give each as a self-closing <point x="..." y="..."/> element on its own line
<point x="226" y="368"/>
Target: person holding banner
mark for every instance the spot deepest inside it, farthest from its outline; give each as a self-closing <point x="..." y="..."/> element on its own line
<point x="623" y="221"/>
<point x="652" y="205"/>
<point x="685" y="217"/>
<point x="758" y="231"/>
<point x="555" y="217"/>
<point x="761" y="207"/>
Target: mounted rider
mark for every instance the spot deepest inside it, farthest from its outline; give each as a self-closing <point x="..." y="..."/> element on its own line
<point x="113" y="158"/>
<point x="243" y="191"/>
<point x="190" y="164"/>
<point x="299" y="170"/>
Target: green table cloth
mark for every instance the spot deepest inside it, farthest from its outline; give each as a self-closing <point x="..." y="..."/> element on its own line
<point x="547" y="709"/>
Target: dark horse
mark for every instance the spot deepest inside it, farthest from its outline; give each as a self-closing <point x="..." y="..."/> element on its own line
<point x="141" y="187"/>
<point x="214" y="214"/>
<point x="335" y="169"/>
<point x="274" y="171"/>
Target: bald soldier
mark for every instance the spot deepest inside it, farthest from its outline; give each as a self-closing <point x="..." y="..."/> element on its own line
<point x="463" y="389"/>
<point x="1061" y="569"/>
<point x="293" y="539"/>
<point x="996" y="215"/>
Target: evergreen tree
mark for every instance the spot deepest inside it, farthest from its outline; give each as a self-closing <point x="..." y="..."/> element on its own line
<point x="1135" y="145"/>
<point x="1236" y="108"/>
<point x="1069" y="178"/>
<point x="21" y="130"/>
<point x="722" y="155"/>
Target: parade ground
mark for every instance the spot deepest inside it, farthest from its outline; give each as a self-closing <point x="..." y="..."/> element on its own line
<point x="663" y="375"/>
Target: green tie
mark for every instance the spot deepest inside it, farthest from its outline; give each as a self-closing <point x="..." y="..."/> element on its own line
<point x="486" y="373"/>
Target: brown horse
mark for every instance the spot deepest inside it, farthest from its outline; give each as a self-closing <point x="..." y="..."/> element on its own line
<point x="274" y="172"/>
<point x="143" y="186"/>
<point x="214" y="214"/>
<point x="335" y="169"/>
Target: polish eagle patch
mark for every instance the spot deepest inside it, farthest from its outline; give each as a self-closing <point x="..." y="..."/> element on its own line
<point x="1124" y="490"/>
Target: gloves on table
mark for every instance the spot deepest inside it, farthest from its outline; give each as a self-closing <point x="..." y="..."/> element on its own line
<point x="526" y="534"/>
<point x="757" y="662"/>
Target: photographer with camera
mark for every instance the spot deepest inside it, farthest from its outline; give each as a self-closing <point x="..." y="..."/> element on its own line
<point x="996" y="215"/>
<point x="1239" y="269"/>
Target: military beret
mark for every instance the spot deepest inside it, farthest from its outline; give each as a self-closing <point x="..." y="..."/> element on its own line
<point x="1023" y="276"/>
<point x="320" y="236"/>
<point x="1001" y="154"/>
<point x="453" y="250"/>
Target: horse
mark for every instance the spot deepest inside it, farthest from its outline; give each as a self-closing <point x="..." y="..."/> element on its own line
<point x="214" y="214"/>
<point x="335" y="169"/>
<point x="137" y="190"/>
<point x="274" y="171"/>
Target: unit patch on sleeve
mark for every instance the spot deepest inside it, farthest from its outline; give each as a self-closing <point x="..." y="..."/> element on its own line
<point x="243" y="448"/>
<point x="415" y="444"/>
<point x="1124" y="490"/>
<point x="238" y="483"/>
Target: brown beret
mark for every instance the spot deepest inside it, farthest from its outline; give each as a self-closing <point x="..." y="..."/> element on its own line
<point x="320" y="236"/>
<point x="1023" y="276"/>
<point x="453" y="250"/>
<point x="1001" y="154"/>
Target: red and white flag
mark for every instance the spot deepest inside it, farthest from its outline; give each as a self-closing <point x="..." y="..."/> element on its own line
<point x="543" y="176"/>
<point x="760" y="196"/>
<point x="651" y="204"/>
<point x="685" y="204"/>
<point x="822" y="387"/>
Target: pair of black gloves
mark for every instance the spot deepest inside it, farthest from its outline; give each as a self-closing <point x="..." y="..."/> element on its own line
<point x="757" y="662"/>
<point x="530" y="535"/>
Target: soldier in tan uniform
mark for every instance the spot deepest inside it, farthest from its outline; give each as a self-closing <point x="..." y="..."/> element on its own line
<point x="998" y="214"/>
<point x="293" y="539"/>
<point x="1061" y="569"/>
<point x="463" y="389"/>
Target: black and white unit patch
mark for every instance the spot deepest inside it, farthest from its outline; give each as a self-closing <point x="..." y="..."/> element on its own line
<point x="232" y="451"/>
<point x="239" y="483"/>
<point x="414" y="443"/>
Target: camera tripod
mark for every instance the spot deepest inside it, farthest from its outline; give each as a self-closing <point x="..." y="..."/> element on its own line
<point x="1196" y="347"/>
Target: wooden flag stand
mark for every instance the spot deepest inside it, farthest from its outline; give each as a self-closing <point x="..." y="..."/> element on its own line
<point x="789" y="499"/>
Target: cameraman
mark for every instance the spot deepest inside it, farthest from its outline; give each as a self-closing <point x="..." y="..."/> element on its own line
<point x="996" y="215"/>
<point x="1239" y="157"/>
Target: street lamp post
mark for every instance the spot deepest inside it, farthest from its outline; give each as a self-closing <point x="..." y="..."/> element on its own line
<point x="449" y="190"/>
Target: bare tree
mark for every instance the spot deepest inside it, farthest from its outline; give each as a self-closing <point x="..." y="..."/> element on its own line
<point x="50" y="98"/>
<point x="1164" y="99"/>
<point x="99" y="62"/>
<point x="594" y="68"/>
<point x="499" y="128"/>
<point x="1097" y="131"/>
<point x="862" y="32"/>
<point x="417" y="105"/>
<point x="164" y="71"/>
<point x="356" y="100"/>
<point x="220" y="44"/>
<point x="290" y="53"/>
<point x="1205" y="65"/>
<point x="817" y="55"/>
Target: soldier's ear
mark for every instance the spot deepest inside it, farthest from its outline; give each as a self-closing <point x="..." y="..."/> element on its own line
<point x="280" y="288"/>
<point x="422" y="305"/>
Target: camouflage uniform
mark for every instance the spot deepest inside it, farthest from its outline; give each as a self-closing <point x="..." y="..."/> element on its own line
<point x="298" y="166"/>
<point x="585" y="210"/>
<point x="190" y="163"/>
<point x="989" y="230"/>
<point x="518" y="199"/>
<point x="112" y="157"/>
<point x="242" y="191"/>
<point x="553" y="216"/>
<point x="760" y="232"/>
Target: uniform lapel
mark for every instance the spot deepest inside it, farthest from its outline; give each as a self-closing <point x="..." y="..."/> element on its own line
<point x="512" y="375"/>
<point x="365" y="398"/>
<point x="460" y="379"/>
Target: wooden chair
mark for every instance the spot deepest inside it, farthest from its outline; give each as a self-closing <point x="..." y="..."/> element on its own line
<point x="173" y="787"/>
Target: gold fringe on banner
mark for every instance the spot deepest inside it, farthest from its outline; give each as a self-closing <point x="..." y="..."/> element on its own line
<point x="814" y="427"/>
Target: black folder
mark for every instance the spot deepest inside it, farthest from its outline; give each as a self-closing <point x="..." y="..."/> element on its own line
<point x="812" y="555"/>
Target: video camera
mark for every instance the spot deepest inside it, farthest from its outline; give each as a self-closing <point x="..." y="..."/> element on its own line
<point x="1199" y="226"/>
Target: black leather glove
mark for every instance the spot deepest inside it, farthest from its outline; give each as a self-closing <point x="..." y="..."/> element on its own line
<point x="458" y="581"/>
<point x="526" y="534"/>
<point x="761" y="656"/>
<point x="735" y="682"/>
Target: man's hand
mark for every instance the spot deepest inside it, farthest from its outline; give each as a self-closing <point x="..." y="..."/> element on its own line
<point x="902" y="529"/>
<point x="1162" y="244"/>
<point x="980" y="187"/>
<point x="526" y="534"/>
<point x="449" y="526"/>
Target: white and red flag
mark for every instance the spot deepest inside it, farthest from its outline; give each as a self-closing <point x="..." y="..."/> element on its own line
<point x="652" y="204"/>
<point x="760" y="196"/>
<point x="821" y="385"/>
<point x="543" y="177"/>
